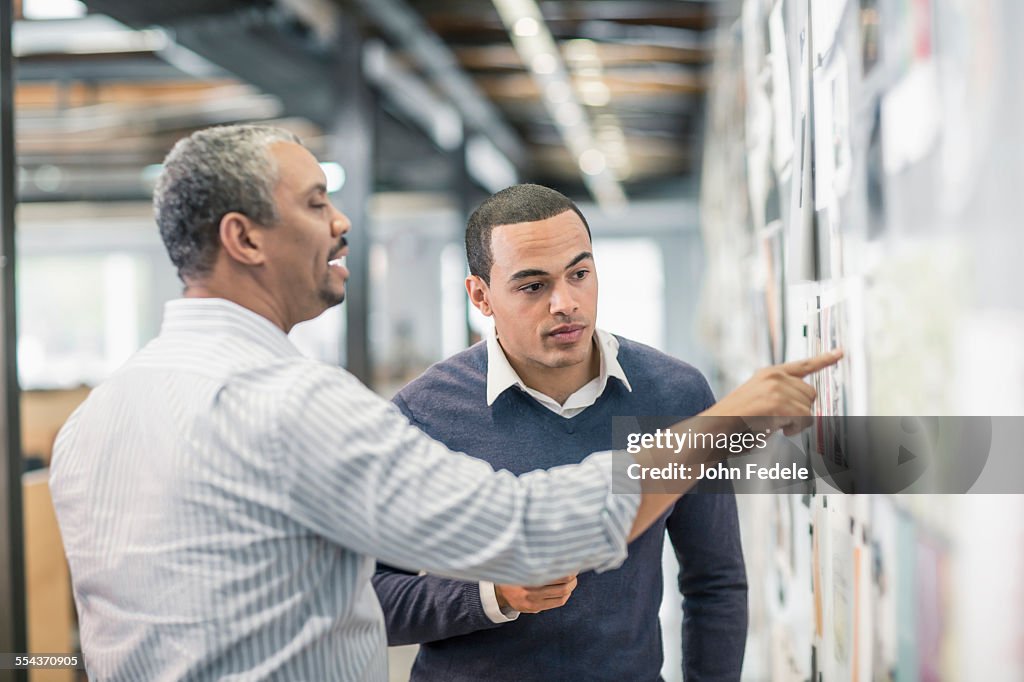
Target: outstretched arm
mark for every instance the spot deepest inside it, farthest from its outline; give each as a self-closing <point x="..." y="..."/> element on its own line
<point x="776" y="397"/>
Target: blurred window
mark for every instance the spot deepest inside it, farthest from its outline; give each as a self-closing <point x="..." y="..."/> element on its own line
<point x="632" y="289"/>
<point x="78" y="316"/>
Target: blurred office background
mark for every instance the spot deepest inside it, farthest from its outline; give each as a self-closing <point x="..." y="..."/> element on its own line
<point x="763" y="179"/>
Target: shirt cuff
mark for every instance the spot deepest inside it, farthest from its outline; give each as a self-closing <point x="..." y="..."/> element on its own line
<point x="489" y="600"/>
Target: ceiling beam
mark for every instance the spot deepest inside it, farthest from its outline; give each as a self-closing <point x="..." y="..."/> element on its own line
<point x="612" y="55"/>
<point x="466" y="16"/>
<point x="401" y="25"/>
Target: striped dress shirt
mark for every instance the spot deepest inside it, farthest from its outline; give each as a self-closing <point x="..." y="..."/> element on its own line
<point x="222" y="499"/>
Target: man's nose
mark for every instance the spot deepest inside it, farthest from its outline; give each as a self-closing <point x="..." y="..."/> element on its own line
<point x="562" y="300"/>
<point x="340" y="223"/>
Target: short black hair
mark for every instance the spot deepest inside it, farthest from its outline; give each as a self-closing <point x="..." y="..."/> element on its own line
<point x="524" y="203"/>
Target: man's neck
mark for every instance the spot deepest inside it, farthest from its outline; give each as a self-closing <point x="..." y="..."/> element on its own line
<point x="560" y="383"/>
<point x="256" y="303"/>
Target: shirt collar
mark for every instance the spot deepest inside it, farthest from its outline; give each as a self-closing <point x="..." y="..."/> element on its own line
<point x="501" y="376"/>
<point x="221" y="316"/>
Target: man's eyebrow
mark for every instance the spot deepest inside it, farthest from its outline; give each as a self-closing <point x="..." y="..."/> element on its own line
<point x="531" y="272"/>
<point x="534" y="272"/>
<point x="318" y="188"/>
<point x="580" y="258"/>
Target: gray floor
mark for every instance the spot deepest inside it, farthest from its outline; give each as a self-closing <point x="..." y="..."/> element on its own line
<point x="400" y="662"/>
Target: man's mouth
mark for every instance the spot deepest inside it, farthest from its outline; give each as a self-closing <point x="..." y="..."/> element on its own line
<point x="337" y="261"/>
<point x="567" y="333"/>
<point x="337" y="258"/>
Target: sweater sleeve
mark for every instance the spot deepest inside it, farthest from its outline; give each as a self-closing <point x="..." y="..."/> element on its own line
<point x="425" y="608"/>
<point x="705" y="534"/>
<point x="704" y="530"/>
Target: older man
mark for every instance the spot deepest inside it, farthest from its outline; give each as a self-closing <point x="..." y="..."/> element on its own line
<point x="221" y="497"/>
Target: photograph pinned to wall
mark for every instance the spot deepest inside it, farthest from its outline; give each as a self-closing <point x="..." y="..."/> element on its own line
<point x="826" y="16"/>
<point x="833" y="158"/>
<point x="839" y="135"/>
<point x="801" y="596"/>
<point x="779" y="591"/>
<point x="906" y="607"/>
<point x="932" y="606"/>
<point x="874" y="169"/>
<point x="824" y="143"/>
<point x="759" y="304"/>
<point x="789" y="588"/>
<point x="863" y="625"/>
<point x="800" y="249"/>
<point x="833" y="166"/>
<point x="826" y="322"/>
<point x="786" y="656"/>
<point x="759" y="119"/>
<point x="821" y="559"/>
<point x="884" y="548"/>
<point x="782" y="93"/>
<point x="784" y="531"/>
<point x="838" y="653"/>
<point x="772" y="254"/>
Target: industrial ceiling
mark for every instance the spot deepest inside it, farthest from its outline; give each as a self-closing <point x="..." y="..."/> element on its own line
<point x="598" y="97"/>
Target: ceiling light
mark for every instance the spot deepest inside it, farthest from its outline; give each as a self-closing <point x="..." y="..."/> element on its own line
<point x="557" y="92"/>
<point x="544" y="63"/>
<point x="569" y="114"/>
<point x="562" y="97"/>
<point x="526" y="27"/>
<point x="335" y="174"/>
<point x="53" y="9"/>
<point x="592" y="162"/>
<point x="580" y="47"/>
<point x="595" y="93"/>
<point x="48" y="178"/>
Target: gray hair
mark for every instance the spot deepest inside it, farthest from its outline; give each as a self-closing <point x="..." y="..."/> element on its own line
<point x="207" y="175"/>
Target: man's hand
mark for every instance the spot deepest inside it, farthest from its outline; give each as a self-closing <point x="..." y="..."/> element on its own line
<point x="774" y="398"/>
<point x="777" y="396"/>
<point x="535" y="599"/>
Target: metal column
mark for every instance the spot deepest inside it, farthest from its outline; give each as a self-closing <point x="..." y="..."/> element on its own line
<point x="12" y="556"/>
<point x="352" y="145"/>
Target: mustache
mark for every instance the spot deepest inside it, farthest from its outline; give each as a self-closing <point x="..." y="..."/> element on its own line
<point x="342" y="243"/>
<point x="568" y="322"/>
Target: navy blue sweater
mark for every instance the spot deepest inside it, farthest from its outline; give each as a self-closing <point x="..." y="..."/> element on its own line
<point x="609" y="628"/>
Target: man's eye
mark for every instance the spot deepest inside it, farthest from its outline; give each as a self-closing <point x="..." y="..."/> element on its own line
<point x="580" y="274"/>
<point x="318" y="207"/>
<point x="531" y="288"/>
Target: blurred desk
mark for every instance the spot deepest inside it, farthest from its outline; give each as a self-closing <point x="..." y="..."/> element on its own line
<point x="47" y="580"/>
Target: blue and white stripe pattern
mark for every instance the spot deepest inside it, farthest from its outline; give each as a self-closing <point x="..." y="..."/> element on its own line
<point x="222" y="499"/>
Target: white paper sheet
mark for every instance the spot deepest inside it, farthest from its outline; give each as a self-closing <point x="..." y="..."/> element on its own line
<point x="782" y="102"/>
<point x="910" y="117"/>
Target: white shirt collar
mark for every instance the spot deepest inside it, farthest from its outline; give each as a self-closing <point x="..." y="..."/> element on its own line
<point x="501" y="376"/>
<point x="218" y="315"/>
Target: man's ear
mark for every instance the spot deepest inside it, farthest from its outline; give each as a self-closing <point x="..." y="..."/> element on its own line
<point x="242" y="239"/>
<point x="479" y="294"/>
